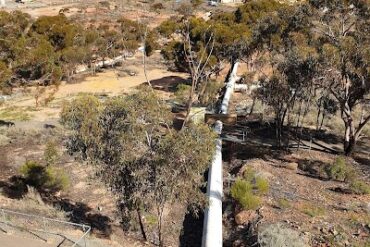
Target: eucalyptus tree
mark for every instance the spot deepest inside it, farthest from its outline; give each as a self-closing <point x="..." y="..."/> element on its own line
<point x="148" y="164"/>
<point x="285" y="38"/>
<point x="343" y="40"/>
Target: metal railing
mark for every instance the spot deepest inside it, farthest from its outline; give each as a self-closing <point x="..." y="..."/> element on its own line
<point x="44" y="228"/>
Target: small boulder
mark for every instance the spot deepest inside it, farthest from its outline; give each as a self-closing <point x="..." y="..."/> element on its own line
<point x="245" y="216"/>
<point x="291" y="166"/>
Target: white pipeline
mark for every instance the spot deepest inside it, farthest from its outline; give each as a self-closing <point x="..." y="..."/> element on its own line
<point x="229" y="89"/>
<point x="106" y="62"/>
<point x="212" y="225"/>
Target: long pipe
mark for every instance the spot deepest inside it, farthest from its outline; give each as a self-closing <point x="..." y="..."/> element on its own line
<point x="229" y="88"/>
<point x="107" y="62"/>
<point x="212" y="225"/>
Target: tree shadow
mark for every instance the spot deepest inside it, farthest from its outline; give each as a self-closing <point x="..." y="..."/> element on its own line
<point x="81" y="213"/>
<point x="6" y="123"/>
<point x="263" y="134"/>
<point x="241" y="236"/>
<point x="168" y="83"/>
<point x="15" y="188"/>
<point x="237" y="235"/>
<point x="192" y="230"/>
<point x="340" y="190"/>
<point x="362" y="154"/>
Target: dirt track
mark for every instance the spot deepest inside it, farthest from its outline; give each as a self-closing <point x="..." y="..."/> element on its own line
<point x="14" y="241"/>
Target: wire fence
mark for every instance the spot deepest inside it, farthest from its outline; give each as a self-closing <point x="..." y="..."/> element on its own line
<point x="51" y="231"/>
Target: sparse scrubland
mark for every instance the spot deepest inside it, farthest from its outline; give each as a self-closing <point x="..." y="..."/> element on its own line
<point x="132" y="162"/>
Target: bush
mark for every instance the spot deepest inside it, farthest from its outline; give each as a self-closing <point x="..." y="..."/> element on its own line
<point x="242" y="192"/>
<point x="250" y="201"/>
<point x="340" y="170"/>
<point x="359" y="187"/>
<point x="283" y="203"/>
<point x="240" y="188"/>
<point x="42" y="177"/>
<point x="168" y="27"/>
<point x="211" y="91"/>
<point x="313" y="210"/>
<point x="51" y="153"/>
<point x="182" y="93"/>
<point x="278" y="236"/>
<point x="157" y="6"/>
<point x="262" y="185"/>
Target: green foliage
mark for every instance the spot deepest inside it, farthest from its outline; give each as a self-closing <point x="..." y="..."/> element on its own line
<point x="313" y="210"/>
<point x="168" y="27"/>
<point x="182" y="93"/>
<point x="359" y="187"/>
<point x="241" y="191"/>
<point x="44" y="178"/>
<point x="5" y="75"/>
<point x="340" y="171"/>
<point x="262" y="185"/>
<point x="60" y="31"/>
<point x="50" y="48"/>
<point x="151" y="220"/>
<point x="250" y="201"/>
<point x="240" y="188"/>
<point x="211" y="92"/>
<point x="146" y="162"/>
<point x="51" y="154"/>
<point x="249" y="174"/>
<point x="80" y="115"/>
<point x="245" y="190"/>
<point x="14" y="113"/>
<point x="283" y="203"/>
<point x="252" y="11"/>
<point x="151" y="43"/>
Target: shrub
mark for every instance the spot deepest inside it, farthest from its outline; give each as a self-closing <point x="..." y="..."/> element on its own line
<point x="51" y="154"/>
<point x="240" y="188"/>
<point x="249" y="201"/>
<point x="262" y="185"/>
<point x="283" y="203"/>
<point x="359" y="187"/>
<point x="340" y="170"/>
<point x="182" y="93"/>
<point x="242" y="192"/>
<point x="211" y="91"/>
<point x="168" y="27"/>
<point x="249" y="174"/>
<point x="42" y="177"/>
<point x="278" y="236"/>
<point x="313" y="210"/>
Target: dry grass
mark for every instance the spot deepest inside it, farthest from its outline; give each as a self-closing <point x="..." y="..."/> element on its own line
<point x="32" y="203"/>
<point x="14" y="113"/>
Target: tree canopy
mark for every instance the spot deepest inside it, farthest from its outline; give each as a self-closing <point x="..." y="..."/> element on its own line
<point x="139" y="155"/>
